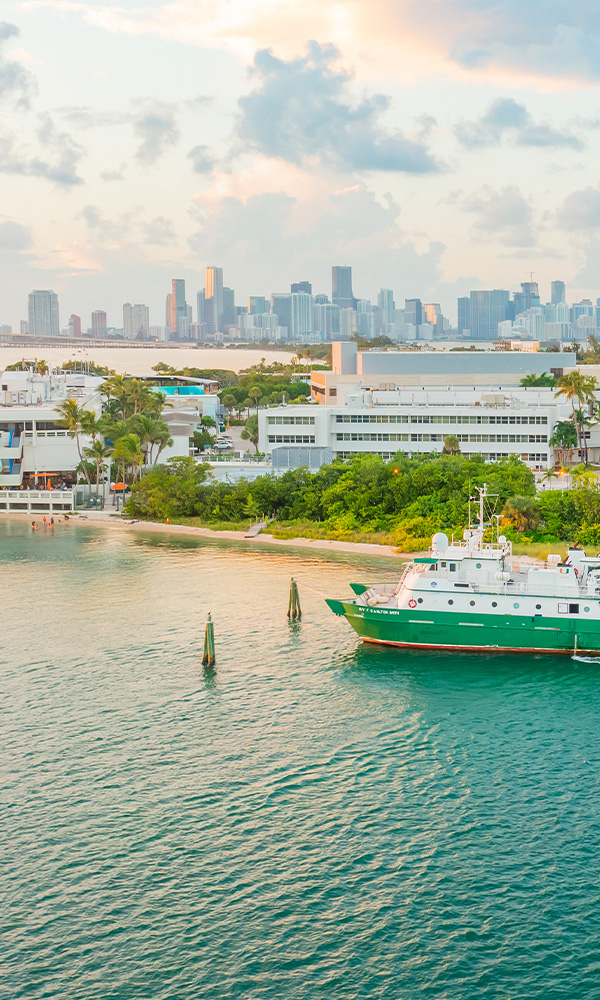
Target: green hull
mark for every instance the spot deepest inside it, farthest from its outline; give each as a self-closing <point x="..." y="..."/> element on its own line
<point x="452" y="630"/>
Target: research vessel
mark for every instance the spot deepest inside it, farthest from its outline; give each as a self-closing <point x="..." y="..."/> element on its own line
<point x="471" y="594"/>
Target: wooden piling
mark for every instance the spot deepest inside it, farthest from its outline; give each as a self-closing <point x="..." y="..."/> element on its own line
<point x="294" y="610"/>
<point x="208" y="657"/>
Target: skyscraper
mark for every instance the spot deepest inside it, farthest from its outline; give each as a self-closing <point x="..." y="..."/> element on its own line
<point x="200" y="301"/>
<point x="74" y="326"/>
<point x="281" y="306"/>
<point x="136" y="322"/>
<point x="257" y="304"/>
<point x="433" y="316"/>
<point x="464" y="314"/>
<point x="213" y="298"/>
<point x="302" y="317"/>
<point x="531" y="292"/>
<point x="557" y="292"/>
<point x="176" y="306"/>
<point x="229" y="306"/>
<point x="385" y="301"/>
<point x="43" y="313"/>
<point x="487" y="309"/>
<point x="413" y="312"/>
<point x="341" y="287"/>
<point x="99" y="323"/>
<point x="301" y="286"/>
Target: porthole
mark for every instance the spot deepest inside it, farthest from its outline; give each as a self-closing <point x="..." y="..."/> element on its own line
<point x="538" y="607"/>
<point x="494" y="604"/>
<point x="472" y="603"/>
<point x="586" y="609"/>
<point x="450" y="602"/>
<point x="515" y="605"/>
<point x="420" y="600"/>
<point x="478" y="566"/>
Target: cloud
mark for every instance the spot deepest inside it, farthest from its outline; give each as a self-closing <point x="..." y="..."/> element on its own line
<point x="300" y="110"/>
<point x="277" y="237"/>
<point x="580" y="210"/>
<point x="112" y="175"/>
<point x="156" y="128"/>
<point x="202" y="158"/>
<point x="14" y="236"/>
<point x="506" y="117"/>
<point x="56" y="159"/>
<point x="102" y="227"/>
<point x="504" y="216"/>
<point x="15" y="81"/>
<point x="159" y="231"/>
<point x="542" y="38"/>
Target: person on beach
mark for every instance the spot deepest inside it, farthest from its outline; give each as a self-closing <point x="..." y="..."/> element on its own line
<point x="51" y="522"/>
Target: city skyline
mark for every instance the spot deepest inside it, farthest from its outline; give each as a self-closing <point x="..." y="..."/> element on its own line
<point x="435" y="152"/>
<point x="299" y="316"/>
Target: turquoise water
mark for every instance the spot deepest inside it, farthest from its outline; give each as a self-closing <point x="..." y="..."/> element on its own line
<point x="317" y="818"/>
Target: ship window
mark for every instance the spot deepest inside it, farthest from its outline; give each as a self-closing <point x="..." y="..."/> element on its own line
<point x="563" y="609"/>
<point x="538" y="607"/>
<point x="586" y="609"/>
<point x="472" y="603"/>
<point x="443" y="565"/>
<point x="453" y="567"/>
<point x="515" y="605"/>
<point x="573" y="609"/>
<point x="478" y="566"/>
<point x="420" y="600"/>
<point x="494" y="604"/>
<point x="450" y="602"/>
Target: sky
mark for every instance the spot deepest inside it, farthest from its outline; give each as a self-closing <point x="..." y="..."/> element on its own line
<point x="434" y="145"/>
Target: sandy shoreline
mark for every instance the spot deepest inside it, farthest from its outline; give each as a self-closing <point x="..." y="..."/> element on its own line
<point x="106" y="520"/>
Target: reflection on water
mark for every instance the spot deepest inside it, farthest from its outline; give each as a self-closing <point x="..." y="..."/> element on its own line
<point x="314" y="818"/>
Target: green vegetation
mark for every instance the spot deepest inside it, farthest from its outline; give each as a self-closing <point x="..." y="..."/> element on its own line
<point x="260" y="385"/>
<point x="544" y="381"/>
<point x="402" y="502"/>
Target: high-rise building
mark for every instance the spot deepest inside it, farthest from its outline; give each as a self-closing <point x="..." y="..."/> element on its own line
<point x="229" y="306"/>
<point x="301" y="286"/>
<point x="557" y="292"/>
<point x="348" y="322"/>
<point x="413" y="312"/>
<point x="74" y="326"/>
<point x="213" y="298"/>
<point x="24" y="326"/>
<point x="43" y="313"/>
<point x="200" y="306"/>
<point x="486" y="310"/>
<point x="302" y="318"/>
<point x="257" y="304"/>
<point x="99" y="324"/>
<point x="341" y="287"/>
<point x="385" y="301"/>
<point x="326" y="319"/>
<point x="281" y="305"/>
<point x="433" y="315"/>
<point x="531" y="292"/>
<point x="321" y="299"/>
<point x="136" y="322"/>
<point x="176" y="305"/>
<point x="464" y="314"/>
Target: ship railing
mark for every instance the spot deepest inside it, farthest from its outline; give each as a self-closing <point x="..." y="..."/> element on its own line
<point x="498" y="587"/>
<point x="407" y="570"/>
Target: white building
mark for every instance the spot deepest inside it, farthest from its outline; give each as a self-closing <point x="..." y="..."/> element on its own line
<point x="493" y="424"/>
<point x="43" y="313"/>
<point x="136" y="322"/>
<point x="301" y="315"/>
<point x="35" y="450"/>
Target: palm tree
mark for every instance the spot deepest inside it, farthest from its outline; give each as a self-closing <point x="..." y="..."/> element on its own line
<point x="574" y="386"/>
<point x="97" y="452"/>
<point x="521" y="512"/>
<point x="90" y="424"/>
<point x="163" y="439"/>
<point x="128" y="451"/>
<point x="564" y="439"/>
<point x="451" y="445"/>
<point x="71" y="417"/>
